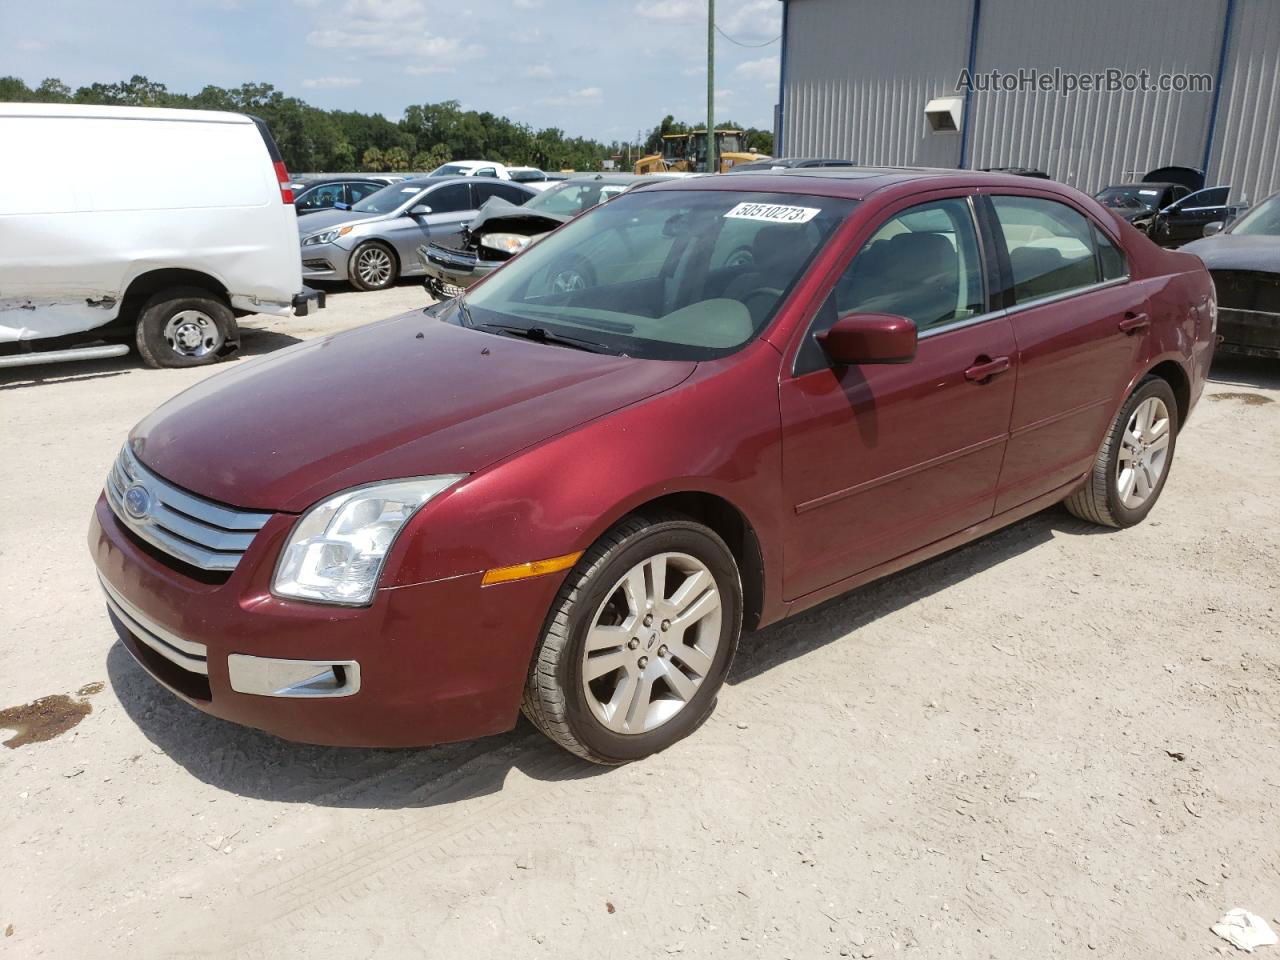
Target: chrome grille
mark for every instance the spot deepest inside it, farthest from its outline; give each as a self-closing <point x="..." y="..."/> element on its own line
<point x="197" y="531"/>
<point x="186" y="654"/>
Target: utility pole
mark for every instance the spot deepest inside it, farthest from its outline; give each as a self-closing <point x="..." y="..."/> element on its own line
<point x="713" y="165"/>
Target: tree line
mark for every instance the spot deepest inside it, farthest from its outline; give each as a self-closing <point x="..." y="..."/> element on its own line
<point x="315" y="140"/>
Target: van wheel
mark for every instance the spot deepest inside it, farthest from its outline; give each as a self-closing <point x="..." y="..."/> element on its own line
<point x="638" y="641"/>
<point x="185" y="327"/>
<point x="1134" y="461"/>
<point x="373" y="266"/>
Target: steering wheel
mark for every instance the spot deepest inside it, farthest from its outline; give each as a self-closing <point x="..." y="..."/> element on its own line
<point x="774" y="292"/>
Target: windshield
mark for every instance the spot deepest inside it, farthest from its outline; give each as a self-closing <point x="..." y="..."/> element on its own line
<point x="729" y="143"/>
<point x="387" y="199"/>
<point x="570" y="198"/>
<point x="527" y="176"/>
<point x="1262" y="221"/>
<point x="661" y="274"/>
<point x="450" y="170"/>
<point x="1133" y="198"/>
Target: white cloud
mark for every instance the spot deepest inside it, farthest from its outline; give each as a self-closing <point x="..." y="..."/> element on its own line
<point x="586" y="95"/>
<point x="393" y="29"/>
<point x="526" y="4"/>
<point x="428" y="69"/>
<point x="765" y="69"/>
<point x="539" y="71"/>
<point x="32" y="46"/>
<point x="330" y="83"/>
<point x="752" y="20"/>
<point x="674" y="11"/>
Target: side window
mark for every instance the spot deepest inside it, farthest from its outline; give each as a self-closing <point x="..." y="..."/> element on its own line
<point x="922" y="263"/>
<point x="1212" y="197"/>
<point x="481" y="192"/>
<point x="504" y="190"/>
<point x="450" y="198"/>
<point x="1110" y="259"/>
<point x="323" y="196"/>
<point x="1050" y="246"/>
<point x="485" y="172"/>
<point x="361" y="190"/>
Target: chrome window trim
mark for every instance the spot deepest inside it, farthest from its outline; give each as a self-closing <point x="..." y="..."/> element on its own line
<point x="960" y="324"/>
<point x="1067" y="294"/>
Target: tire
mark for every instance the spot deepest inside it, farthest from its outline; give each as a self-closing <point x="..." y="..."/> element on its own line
<point x="372" y="266"/>
<point x="569" y="710"/>
<point x="1107" y="497"/>
<point x="185" y="327"/>
<point x="576" y="275"/>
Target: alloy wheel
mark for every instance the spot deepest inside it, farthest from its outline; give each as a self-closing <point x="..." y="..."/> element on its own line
<point x="651" y="643"/>
<point x="373" y="266"/>
<point x="1144" y="452"/>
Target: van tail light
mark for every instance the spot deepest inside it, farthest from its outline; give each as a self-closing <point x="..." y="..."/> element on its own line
<point x="286" y="194"/>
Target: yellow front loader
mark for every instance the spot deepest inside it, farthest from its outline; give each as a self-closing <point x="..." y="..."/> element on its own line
<point x="687" y="153"/>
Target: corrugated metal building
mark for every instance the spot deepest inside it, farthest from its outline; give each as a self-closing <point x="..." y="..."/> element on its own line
<point x="858" y="74"/>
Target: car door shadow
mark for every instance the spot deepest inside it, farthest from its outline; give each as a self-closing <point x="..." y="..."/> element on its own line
<point x="251" y="763"/>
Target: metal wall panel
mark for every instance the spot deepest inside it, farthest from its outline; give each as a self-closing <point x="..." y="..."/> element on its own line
<point x="859" y="73"/>
<point x="1092" y="139"/>
<point x="1246" y="151"/>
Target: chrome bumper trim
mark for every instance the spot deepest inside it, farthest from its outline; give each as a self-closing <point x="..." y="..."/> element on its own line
<point x="187" y="654"/>
<point x="308" y="679"/>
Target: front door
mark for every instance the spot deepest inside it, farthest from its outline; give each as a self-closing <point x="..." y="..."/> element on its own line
<point x="451" y="209"/>
<point x="879" y="460"/>
<point x="1187" y="220"/>
<point x="1080" y="329"/>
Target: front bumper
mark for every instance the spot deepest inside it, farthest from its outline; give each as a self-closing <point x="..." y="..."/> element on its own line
<point x="324" y="261"/>
<point x="1249" y="333"/>
<point x="428" y="663"/>
<point x="445" y="267"/>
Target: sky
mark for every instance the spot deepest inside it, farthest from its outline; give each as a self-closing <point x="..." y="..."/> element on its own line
<point x="598" y="68"/>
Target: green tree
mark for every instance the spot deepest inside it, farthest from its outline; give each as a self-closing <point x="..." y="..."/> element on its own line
<point x="396" y="159"/>
<point x="373" y="160"/>
<point x="428" y="160"/>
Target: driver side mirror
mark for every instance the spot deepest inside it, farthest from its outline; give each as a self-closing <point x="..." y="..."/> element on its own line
<point x="420" y="210"/>
<point x="870" y="338"/>
<point x="1212" y="228"/>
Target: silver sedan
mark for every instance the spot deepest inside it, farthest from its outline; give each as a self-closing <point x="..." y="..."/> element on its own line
<point x="374" y="242"/>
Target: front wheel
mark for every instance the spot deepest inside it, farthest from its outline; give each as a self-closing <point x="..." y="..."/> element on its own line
<point x="373" y="266"/>
<point x="1133" y="464"/>
<point x="638" y="641"/>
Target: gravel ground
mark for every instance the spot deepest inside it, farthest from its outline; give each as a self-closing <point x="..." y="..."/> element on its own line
<point x="1055" y="742"/>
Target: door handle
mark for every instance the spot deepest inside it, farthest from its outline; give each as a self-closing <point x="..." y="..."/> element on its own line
<point x="1133" y="322"/>
<point x="983" y="370"/>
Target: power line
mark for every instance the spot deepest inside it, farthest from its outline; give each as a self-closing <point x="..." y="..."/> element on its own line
<point x="741" y="44"/>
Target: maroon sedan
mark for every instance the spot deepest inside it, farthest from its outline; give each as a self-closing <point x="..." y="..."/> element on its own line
<point x="692" y="411"/>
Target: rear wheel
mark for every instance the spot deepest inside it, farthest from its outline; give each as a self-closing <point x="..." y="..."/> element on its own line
<point x="1134" y="461"/>
<point x="373" y="266"/>
<point x="639" y="641"/>
<point x="184" y="327"/>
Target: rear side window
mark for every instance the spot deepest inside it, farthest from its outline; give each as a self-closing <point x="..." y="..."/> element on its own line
<point x="325" y="195"/>
<point x="361" y="190"/>
<point x="451" y="198"/>
<point x="1213" y="197"/>
<point x="1110" y="259"/>
<point x="1051" y="247"/>
<point x="483" y="191"/>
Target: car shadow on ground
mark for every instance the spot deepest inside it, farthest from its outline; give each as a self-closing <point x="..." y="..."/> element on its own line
<point x="1246" y="371"/>
<point x="255" y="764"/>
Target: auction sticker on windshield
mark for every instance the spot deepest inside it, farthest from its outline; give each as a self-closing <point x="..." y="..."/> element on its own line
<point x="772" y="213"/>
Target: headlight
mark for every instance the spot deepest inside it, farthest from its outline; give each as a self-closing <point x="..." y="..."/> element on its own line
<point x="336" y="551"/>
<point x="327" y="237"/>
<point x="506" y="242"/>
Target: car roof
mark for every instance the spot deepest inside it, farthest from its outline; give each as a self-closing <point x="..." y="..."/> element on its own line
<point x="121" y="113"/>
<point x="852" y="183"/>
<point x="424" y="182"/>
<point x="319" y="181"/>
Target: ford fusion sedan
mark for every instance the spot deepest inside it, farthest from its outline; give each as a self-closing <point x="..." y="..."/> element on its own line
<point x="375" y="242"/>
<point x="571" y="502"/>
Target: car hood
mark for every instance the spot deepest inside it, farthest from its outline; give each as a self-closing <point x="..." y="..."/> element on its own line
<point x="498" y="214"/>
<point x="410" y="396"/>
<point x="1229" y="252"/>
<point x="314" y="222"/>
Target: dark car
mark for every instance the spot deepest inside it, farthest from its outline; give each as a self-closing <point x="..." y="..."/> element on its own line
<point x="787" y="163"/>
<point x="502" y="229"/>
<point x="572" y="502"/>
<point x="1185" y="219"/>
<point x="1020" y="171"/>
<point x="334" y="193"/>
<point x="1139" y="203"/>
<point x="1244" y="261"/>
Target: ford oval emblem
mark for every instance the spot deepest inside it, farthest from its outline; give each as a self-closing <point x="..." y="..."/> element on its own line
<point x="137" y="501"/>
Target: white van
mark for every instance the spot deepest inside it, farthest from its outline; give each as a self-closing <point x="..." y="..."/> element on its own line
<point x="155" y="227"/>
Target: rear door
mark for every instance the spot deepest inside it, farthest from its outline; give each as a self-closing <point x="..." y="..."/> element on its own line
<point x="1080" y="328"/>
<point x="882" y="459"/>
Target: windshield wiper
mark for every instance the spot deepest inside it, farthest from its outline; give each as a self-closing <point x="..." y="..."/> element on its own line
<point x="543" y="335"/>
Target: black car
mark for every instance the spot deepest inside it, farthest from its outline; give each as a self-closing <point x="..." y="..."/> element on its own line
<point x="788" y="163"/>
<point x="1244" y="261"/>
<point x="1184" y="220"/>
<point x="1019" y="172"/>
<point x="332" y="193"/>
<point x="1140" y="203"/>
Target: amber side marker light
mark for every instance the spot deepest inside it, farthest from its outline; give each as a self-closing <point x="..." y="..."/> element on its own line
<point x="523" y="571"/>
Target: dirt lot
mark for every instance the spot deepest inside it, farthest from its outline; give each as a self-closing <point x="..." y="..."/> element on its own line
<point x="1056" y="742"/>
